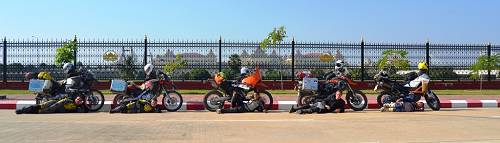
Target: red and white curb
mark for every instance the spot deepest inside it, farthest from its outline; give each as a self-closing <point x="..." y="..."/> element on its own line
<point x="277" y="105"/>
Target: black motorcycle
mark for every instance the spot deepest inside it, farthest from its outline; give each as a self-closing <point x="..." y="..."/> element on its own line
<point x="390" y="90"/>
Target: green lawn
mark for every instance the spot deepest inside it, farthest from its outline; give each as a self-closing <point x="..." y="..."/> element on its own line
<point x="292" y="92"/>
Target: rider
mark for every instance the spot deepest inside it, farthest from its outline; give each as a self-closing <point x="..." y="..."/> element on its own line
<point x="143" y="104"/>
<point x="327" y="100"/>
<point x="406" y="104"/>
<point x="250" y="106"/>
<point x="340" y="68"/>
<point x="61" y="102"/>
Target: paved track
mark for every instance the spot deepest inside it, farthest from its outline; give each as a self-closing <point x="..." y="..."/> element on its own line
<point x="451" y="125"/>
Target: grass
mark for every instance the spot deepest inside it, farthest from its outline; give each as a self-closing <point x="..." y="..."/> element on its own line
<point x="293" y="93"/>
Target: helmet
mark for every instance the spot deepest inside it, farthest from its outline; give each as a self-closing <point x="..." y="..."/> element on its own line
<point x="30" y="75"/>
<point x="148" y="69"/>
<point x="244" y="70"/>
<point x="44" y="76"/>
<point x="339" y="64"/>
<point x="68" y="68"/>
<point x="422" y="66"/>
<point x="219" y="77"/>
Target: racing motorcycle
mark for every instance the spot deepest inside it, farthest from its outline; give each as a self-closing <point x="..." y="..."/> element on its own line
<point x="152" y="89"/>
<point x="308" y="89"/>
<point x="222" y="91"/>
<point x="390" y="90"/>
<point x="93" y="99"/>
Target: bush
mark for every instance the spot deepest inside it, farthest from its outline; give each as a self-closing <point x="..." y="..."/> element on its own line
<point x="318" y="73"/>
<point x="199" y="74"/>
<point x="272" y="74"/>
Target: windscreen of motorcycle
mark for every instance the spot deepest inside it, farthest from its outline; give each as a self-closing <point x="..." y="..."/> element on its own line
<point x="253" y="79"/>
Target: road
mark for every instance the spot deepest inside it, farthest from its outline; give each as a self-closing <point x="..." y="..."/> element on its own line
<point x="452" y="125"/>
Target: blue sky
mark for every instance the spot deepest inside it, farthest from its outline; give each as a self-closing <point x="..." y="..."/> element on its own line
<point x="440" y="21"/>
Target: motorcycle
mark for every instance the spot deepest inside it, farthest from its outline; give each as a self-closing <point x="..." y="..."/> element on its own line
<point x="391" y="90"/>
<point x="171" y="100"/>
<point x="222" y="91"/>
<point x="307" y="90"/>
<point x="93" y="99"/>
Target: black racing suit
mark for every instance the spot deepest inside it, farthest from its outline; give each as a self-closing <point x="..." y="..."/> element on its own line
<point x="325" y="105"/>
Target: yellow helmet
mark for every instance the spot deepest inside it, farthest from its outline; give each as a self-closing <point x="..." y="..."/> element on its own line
<point x="422" y="66"/>
<point x="148" y="108"/>
<point x="44" y="76"/>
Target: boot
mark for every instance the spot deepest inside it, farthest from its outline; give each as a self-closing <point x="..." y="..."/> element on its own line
<point x="117" y="109"/>
<point x="292" y="109"/>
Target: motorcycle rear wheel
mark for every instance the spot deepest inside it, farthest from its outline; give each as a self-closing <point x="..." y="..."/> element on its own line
<point x="210" y="104"/>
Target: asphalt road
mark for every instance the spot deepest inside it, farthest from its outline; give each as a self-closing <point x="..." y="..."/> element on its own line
<point x="452" y="125"/>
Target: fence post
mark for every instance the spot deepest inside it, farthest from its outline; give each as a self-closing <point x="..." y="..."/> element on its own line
<point x="489" y="57"/>
<point x="362" y="76"/>
<point x="4" y="61"/>
<point x="220" y="54"/>
<point x="145" y="57"/>
<point x="75" y="51"/>
<point x="427" y="56"/>
<point x="293" y="59"/>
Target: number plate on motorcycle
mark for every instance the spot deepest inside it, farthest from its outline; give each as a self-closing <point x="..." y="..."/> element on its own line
<point x="118" y="85"/>
<point x="310" y="84"/>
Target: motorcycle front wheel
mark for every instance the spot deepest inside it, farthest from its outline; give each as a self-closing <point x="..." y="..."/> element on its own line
<point x="172" y="101"/>
<point x="433" y="101"/>
<point x="356" y="100"/>
<point x="383" y="98"/>
<point x="94" y="101"/>
<point x="266" y="97"/>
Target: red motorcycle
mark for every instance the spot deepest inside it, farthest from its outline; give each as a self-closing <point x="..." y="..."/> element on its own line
<point x="308" y="89"/>
<point x="171" y="100"/>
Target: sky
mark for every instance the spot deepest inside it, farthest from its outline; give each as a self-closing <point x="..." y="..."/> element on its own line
<point x="439" y="21"/>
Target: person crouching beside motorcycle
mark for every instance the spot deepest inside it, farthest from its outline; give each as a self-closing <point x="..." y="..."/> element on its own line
<point x="137" y="106"/>
<point x="60" y="104"/>
<point x="255" y="104"/>
<point x="405" y="104"/>
<point x="147" y="103"/>
<point x="332" y="102"/>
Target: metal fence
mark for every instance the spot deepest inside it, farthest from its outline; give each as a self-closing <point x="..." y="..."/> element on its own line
<point x="204" y="58"/>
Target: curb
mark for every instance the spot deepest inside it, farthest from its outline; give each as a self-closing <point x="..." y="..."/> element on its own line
<point x="277" y="105"/>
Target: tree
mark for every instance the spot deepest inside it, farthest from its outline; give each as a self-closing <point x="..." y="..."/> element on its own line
<point x="393" y="60"/>
<point x="229" y="74"/>
<point x="64" y="54"/>
<point x="485" y="63"/>
<point x="200" y="74"/>
<point x="170" y="67"/>
<point x="127" y="70"/>
<point x="272" y="74"/>
<point x="235" y="63"/>
<point x="274" y="37"/>
<point x="16" y="67"/>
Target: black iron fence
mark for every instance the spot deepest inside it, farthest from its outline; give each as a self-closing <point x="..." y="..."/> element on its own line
<point x="110" y="59"/>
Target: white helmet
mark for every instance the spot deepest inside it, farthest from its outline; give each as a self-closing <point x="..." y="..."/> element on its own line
<point x="244" y="70"/>
<point x="68" y="68"/>
<point x="148" y="68"/>
<point x="339" y="64"/>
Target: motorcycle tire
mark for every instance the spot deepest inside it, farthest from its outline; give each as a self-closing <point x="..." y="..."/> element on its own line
<point x="433" y="101"/>
<point x="383" y="95"/>
<point x="361" y="106"/>
<point x="212" y="107"/>
<point x="269" y="101"/>
<point x="304" y="100"/>
<point x="174" y="96"/>
<point x="98" y="104"/>
<point x="117" y="100"/>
